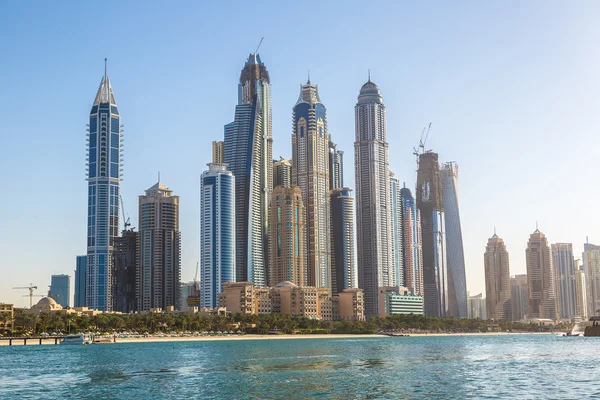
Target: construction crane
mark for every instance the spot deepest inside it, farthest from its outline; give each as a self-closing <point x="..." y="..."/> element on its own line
<point x="31" y="288"/>
<point x="417" y="151"/>
<point x="126" y="223"/>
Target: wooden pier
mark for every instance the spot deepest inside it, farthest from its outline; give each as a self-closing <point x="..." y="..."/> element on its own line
<point x="32" y="339"/>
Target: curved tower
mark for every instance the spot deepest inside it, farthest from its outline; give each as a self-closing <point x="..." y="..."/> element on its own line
<point x="373" y="199"/>
<point x="249" y="155"/>
<point x="310" y="171"/>
<point x="103" y="176"/>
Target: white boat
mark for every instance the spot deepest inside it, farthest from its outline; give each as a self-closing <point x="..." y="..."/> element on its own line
<point x="79" y="338"/>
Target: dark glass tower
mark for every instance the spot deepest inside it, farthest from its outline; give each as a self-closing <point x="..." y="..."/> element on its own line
<point x="104" y="175"/>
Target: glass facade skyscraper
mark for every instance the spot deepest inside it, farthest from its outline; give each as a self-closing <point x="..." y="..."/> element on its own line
<point x="248" y="155"/>
<point x="217" y="232"/>
<point x="80" y="271"/>
<point x="60" y="290"/>
<point x="103" y="176"/>
<point x="343" y="260"/>
<point x="563" y="263"/>
<point x="457" y="280"/>
<point x="397" y="230"/>
<point x="412" y="257"/>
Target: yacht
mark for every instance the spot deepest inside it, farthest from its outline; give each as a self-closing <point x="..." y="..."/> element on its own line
<point x="78" y="338"/>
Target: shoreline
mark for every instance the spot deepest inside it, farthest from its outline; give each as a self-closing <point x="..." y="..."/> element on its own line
<point x="35" y="342"/>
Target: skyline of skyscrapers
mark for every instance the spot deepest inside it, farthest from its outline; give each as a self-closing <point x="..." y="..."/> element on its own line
<point x="373" y="200"/>
<point x="217" y="232"/>
<point x="158" y="269"/>
<point x="540" y="278"/>
<point x="455" y="269"/>
<point x="310" y="172"/>
<point x="497" y="280"/>
<point x="103" y="175"/>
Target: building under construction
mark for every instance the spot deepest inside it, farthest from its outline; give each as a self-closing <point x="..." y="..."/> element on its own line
<point x="124" y="270"/>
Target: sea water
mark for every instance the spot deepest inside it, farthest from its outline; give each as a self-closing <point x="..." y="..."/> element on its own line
<point x="487" y="366"/>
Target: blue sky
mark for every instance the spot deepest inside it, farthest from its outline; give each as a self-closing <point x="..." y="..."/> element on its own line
<point x="510" y="87"/>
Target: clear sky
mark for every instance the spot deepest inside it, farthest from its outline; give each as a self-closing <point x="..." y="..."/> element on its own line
<point x="511" y="89"/>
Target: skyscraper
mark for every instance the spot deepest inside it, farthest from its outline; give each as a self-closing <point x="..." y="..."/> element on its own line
<point x="159" y="249"/>
<point x="343" y="262"/>
<point x="373" y="202"/>
<point x="124" y="272"/>
<point x="336" y="166"/>
<point x="397" y="229"/>
<point x="519" y="296"/>
<point x="217" y="232"/>
<point x="476" y="307"/>
<point x="591" y="256"/>
<point x="287" y="241"/>
<point x="310" y="171"/>
<point x="80" y="281"/>
<point x="497" y="280"/>
<point x="218" y="152"/>
<point x="103" y="176"/>
<point x="540" y="277"/>
<point x="431" y="207"/>
<point x="282" y="172"/>
<point x="248" y="155"/>
<point x="60" y="290"/>
<point x="563" y="264"/>
<point x="456" y="276"/>
<point x="581" y="309"/>
<point x="412" y="256"/>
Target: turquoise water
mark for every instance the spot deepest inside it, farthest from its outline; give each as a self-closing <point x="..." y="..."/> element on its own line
<point x="519" y="366"/>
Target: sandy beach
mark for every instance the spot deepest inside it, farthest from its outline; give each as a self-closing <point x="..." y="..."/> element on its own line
<point x="156" y="339"/>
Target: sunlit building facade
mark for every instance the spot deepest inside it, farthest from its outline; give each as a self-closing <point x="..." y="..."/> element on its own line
<point x="563" y="264"/>
<point x="343" y="261"/>
<point x="540" y="278"/>
<point x="497" y="280"/>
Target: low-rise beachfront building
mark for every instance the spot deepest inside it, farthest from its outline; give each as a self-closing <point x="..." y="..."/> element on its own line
<point x="288" y="298"/>
<point x="6" y="316"/>
<point x="399" y="300"/>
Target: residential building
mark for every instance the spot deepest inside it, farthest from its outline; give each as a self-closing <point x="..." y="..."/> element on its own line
<point x="581" y="309"/>
<point x="217" y="232"/>
<point x="282" y="172"/>
<point x="248" y="155"/>
<point x="519" y="296"/>
<point x="60" y="290"/>
<point x="287" y="241"/>
<point x="373" y="199"/>
<point x="336" y="167"/>
<point x="497" y="280"/>
<point x="456" y="276"/>
<point x="351" y="305"/>
<point x="343" y="262"/>
<point x="104" y="166"/>
<point x="218" y="152"/>
<point x="397" y="230"/>
<point x="124" y="272"/>
<point x="238" y="297"/>
<point x="563" y="264"/>
<point x="476" y="307"/>
<point x="310" y="172"/>
<point x="6" y="317"/>
<point x="431" y="207"/>
<point x="399" y="300"/>
<point x="592" y="259"/>
<point x="412" y="254"/>
<point x="158" y="263"/>
<point x="80" y="270"/>
<point x="540" y="277"/>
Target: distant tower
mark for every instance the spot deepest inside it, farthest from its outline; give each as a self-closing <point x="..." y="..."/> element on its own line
<point x="542" y="298"/>
<point x="431" y="207"/>
<point x="591" y="264"/>
<point x="282" y="172"/>
<point x="412" y="257"/>
<point x="218" y="152"/>
<point x="336" y="167"/>
<point x="287" y="239"/>
<point x="248" y="155"/>
<point x="343" y="262"/>
<point x="581" y="294"/>
<point x="217" y="232"/>
<point x="60" y="290"/>
<point x="159" y="249"/>
<point x="397" y="228"/>
<point x="519" y="296"/>
<point x="497" y="280"/>
<point x="80" y="271"/>
<point x="563" y="264"/>
<point x="103" y="166"/>
<point x="373" y="200"/>
<point x="310" y="171"/>
<point x="456" y="278"/>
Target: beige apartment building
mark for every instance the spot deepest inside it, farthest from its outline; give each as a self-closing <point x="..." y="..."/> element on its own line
<point x="218" y="152"/>
<point x="540" y="277"/>
<point x="6" y="316"/>
<point x="497" y="280"/>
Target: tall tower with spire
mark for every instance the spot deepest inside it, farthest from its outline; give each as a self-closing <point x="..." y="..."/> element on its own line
<point x="104" y="164"/>
<point x="249" y="156"/>
<point x="310" y="171"/>
<point x="373" y="197"/>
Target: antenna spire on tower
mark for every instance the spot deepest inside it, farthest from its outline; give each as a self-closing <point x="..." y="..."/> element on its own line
<point x="105" y="67"/>
<point x="158" y="176"/>
<point x="308" y="81"/>
<point x="369" y="75"/>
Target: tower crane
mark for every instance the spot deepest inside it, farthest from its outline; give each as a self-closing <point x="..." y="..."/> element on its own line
<point x="126" y="223"/>
<point x="417" y="151"/>
<point x="31" y="288"/>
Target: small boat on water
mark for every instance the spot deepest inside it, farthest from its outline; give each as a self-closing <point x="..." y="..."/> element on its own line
<point x="102" y="340"/>
<point x="79" y="338"/>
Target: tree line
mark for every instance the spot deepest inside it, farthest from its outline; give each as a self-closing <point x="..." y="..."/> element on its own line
<point x="28" y="323"/>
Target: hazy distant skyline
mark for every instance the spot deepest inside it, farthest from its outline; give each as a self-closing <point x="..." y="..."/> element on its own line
<point x="511" y="88"/>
